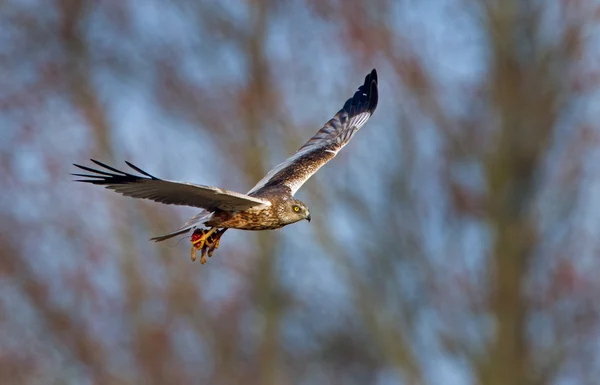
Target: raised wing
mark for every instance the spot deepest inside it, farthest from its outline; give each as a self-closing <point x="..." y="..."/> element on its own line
<point x="330" y="139"/>
<point x="165" y="191"/>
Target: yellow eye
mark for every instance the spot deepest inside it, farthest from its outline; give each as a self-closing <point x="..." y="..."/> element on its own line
<point x="297" y="209"/>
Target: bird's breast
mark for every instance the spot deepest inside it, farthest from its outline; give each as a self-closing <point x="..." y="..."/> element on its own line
<point x="252" y="219"/>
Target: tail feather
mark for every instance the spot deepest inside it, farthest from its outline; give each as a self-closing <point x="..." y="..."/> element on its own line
<point x="161" y="238"/>
<point x="198" y="219"/>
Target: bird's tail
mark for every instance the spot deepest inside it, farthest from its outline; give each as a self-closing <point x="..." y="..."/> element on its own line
<point x="161" y="238"/>
<point x="190" y="225"/>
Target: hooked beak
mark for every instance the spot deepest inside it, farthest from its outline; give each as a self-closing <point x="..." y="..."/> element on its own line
<point x="308" y="217"/>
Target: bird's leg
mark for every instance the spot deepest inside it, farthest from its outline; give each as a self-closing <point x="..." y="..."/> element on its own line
<point x="199" y="238"/>
<point x="203" y="253"/>
<point x="214" y="242"/>
<point x="196" y="236"/>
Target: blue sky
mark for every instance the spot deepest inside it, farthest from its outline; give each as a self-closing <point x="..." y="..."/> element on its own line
<point x="315" y="75"/>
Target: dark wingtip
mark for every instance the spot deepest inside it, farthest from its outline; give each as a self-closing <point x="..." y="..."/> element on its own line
<point x="374" y="92"/>
<point x="85" y="181"/>
<point x="370" y="87"/>
<point x="140" y="170"/>
<point x="104" y="177"/>
<point x="104" y="165"/>
<point x="366" y="97"/>
<point x="373" y="76"/>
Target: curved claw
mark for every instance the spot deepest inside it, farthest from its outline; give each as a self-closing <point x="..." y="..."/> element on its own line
<point x="211" y="250"/>
<point x="203" y="254"/>
<point x="207" y="241"/>
<point x="199" y="242"/>
<point x="214" y="242"/>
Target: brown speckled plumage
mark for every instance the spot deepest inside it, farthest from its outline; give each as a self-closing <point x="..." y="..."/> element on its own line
<point x="267" y="218"/>
<point x="268" y="205"/>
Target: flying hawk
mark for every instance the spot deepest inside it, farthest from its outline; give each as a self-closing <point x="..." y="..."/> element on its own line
<point x="269" y="205"/>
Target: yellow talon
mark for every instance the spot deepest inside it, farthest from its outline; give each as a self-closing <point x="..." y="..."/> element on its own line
<point x="200" y="244"/>
<point x="211" y="251"/>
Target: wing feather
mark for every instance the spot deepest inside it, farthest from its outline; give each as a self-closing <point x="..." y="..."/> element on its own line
<point x="327" y="142"/>
<point x="165" y="191"/>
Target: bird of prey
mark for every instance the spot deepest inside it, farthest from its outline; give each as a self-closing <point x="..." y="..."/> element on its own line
<point x="268" y="205"/>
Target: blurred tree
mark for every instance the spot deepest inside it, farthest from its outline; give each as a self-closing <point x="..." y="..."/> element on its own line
<point x="463" y="245"/>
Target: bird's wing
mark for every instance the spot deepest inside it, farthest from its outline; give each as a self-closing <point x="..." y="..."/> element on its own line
<point x="165" y="191"/>
<point x="330" y="139"/>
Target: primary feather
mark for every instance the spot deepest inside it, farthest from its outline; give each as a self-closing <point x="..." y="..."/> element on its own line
<point x="168" y="192"/>
<point x="327" y="142"/>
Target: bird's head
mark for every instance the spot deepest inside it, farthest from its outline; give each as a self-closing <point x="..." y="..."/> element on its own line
<point x="295" y="211"/>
